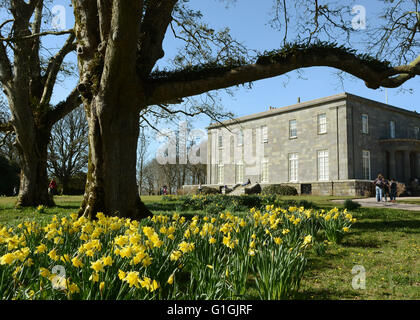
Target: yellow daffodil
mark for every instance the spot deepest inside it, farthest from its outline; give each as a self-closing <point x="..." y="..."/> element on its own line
<point x="171" y="279"/>
<point x="97" y="266"/>
<point x="77" y="262"/>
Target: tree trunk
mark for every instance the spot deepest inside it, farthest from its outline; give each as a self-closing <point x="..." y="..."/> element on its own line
<point x="111" y="185"/>
<point x="33" y="177"/>
<point x="65" y="184"/>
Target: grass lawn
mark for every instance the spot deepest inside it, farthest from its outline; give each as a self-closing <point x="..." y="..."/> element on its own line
<point x="386" y="242"/>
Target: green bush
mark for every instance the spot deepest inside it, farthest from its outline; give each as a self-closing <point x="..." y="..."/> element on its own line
<point x="281" y="190"/>
<point x="351" y="205"/>
<point x="220" y="202"/>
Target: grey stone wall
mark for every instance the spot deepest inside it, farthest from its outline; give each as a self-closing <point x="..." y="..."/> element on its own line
<point x="279" y="145"/>
<point x="379" y="117"/>
<point x="344" y="141"/>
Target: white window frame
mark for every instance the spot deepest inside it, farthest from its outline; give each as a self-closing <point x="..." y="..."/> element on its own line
<point x="365" y="123"/>
<point x="392" y="129"/>
<point x="240" y="137"/>
<point x="264" y="134"/>
<point x="366" y="164"/>
<point x="323" y="165"/>
<point x="239" y="172"/>
<point x="293" y="167"/>
<point x="322" y="123"/>
<point x="220" y="141"/>
<point x="220" y="173"/>
<point x="264" y="170"/>
<point x="291" y="135"/>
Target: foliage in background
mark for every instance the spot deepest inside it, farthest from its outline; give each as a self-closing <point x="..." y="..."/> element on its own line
<point x="282" y="190"/>
<point x="9" y="173"/>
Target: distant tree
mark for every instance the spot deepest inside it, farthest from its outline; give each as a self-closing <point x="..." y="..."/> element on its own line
<point x="9" y="173"/>
<point x="68" y="148"/>
<point x="28" y="74"/>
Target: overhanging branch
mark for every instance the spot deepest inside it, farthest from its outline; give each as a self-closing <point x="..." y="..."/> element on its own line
<point x="173" y="85"/>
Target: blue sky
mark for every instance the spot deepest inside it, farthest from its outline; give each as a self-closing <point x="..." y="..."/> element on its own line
<point x="247" y="20"/>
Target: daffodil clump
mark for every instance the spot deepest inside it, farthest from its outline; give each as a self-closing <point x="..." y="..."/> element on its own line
<point x="163" y="257"/>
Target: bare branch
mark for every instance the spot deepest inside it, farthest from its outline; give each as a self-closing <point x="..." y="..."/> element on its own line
<point x="63" y="108"/>
<point x="53" y="68"/>
<point x="36" y="35"/>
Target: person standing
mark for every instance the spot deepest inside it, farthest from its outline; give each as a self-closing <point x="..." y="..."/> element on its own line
<point x="52" y="187"/>
<point x="393" y="190"/>
<point x="379" y="187"/>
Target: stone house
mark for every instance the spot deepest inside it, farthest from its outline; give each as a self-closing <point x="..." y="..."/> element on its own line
<point x="333" y="146"/>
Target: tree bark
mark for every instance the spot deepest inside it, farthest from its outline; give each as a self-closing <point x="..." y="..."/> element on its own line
<point x="110" y="90"/>
<point x="33" y="189"/>
<point x="111" y="185"/>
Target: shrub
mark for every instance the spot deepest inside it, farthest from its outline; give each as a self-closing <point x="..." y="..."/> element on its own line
<point x="208" y="190"/>
<point x="351" y="205"/>
<point x="282" y="190"/>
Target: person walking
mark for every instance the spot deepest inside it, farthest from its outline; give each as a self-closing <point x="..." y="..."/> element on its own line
<point x="379" y="181"/>
<point x="393" y="190"/>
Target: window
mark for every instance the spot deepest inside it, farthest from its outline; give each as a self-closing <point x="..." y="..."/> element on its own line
<point x="293" y="167"/>
<point x="240" y="137"/>
<point x="366" y="164"/>
<point x="220" y="141"/>
<point x="365" y="123"/>
<point x="292" y="129"/>
<point x="416" y="132"/>
<point x="264" y="170"/>
<point x="221" y="173"/>
<point x="322" y="123"/>
<point x="239" y="173"/>
<point x="323" y="167"/>
<point x="392" y="129"/>
<point x="264" y="134"/>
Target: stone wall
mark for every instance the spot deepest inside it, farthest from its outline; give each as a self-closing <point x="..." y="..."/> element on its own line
<point x="334" y="188"/>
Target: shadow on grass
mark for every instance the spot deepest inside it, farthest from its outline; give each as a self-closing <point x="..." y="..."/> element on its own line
<point x="408" y="226"/>
<point x="67" y="207"/>
<point x="325" y="294"/>
<point x="324" y="261"/>
<point x="360" y="243"/>
<point x="159" y="206"/>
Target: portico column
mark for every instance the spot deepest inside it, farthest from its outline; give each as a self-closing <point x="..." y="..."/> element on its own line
<point x="392" y="165"/>
<point x="407" y="171"/>
<point x="417" y="165"/>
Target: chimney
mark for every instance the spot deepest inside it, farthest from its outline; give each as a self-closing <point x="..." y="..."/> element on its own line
<point x="298" y="100"/>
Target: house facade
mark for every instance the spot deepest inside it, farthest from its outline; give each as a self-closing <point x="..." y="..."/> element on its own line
<point x="334" y="145"/>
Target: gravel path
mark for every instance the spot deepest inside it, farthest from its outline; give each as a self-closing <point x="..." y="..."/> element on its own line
<point x="371" y="202"/>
